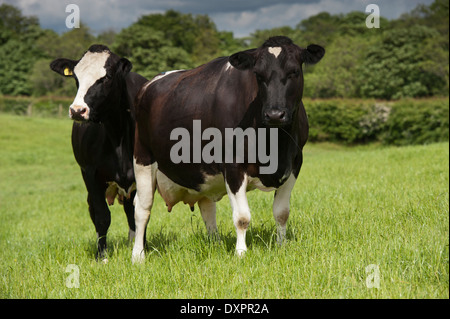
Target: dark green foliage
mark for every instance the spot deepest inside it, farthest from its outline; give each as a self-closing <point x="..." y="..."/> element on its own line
<point x="149" y="50"/>
<point x="404" y="122"/>
<point x="347" y="121"/>
<point x="18" y="52"/>
<point x="196" y="35"/>
<point x="42" y="106"/>
<point x="18" y="105"/>
<point x="405" y="57"/>
<point x="395" y="68"/>
<point x="417" y="122"/>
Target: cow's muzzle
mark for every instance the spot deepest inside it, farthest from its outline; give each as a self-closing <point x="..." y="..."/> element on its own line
<point x="276" y="117"/>
<point x="79" y="113"/>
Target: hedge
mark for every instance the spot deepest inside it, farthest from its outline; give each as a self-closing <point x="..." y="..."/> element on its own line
<point x="42" y="106"/>
<point x="417" y="122"/>
<point x="349" y="121"/>
<point x="402" y="122"/>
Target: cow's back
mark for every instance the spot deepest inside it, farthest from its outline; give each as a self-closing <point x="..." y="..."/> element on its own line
<point x="215" y="92"/>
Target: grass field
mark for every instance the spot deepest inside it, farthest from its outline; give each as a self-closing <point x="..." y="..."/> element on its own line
<point x="351" y="208"/>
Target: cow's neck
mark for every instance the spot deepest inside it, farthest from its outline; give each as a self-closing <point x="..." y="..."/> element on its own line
<point x="288" y="141"/>
<point x="288" y="144"/>
<point x="118" y="122"/>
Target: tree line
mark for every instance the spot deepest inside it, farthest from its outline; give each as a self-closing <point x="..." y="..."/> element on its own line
<point x="405" y="57"/>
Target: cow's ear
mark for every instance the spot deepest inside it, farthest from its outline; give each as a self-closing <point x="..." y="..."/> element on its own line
<point x="312" y="54"/>
<point x="63" y="66"/>
<point x="243" y="60"/>
<point x="124" y="66"/>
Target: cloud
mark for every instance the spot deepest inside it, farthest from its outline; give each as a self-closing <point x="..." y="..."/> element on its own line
<point x="290" y="13"/>
<point x="275" y="15"/>
<point x="241" y="17"/>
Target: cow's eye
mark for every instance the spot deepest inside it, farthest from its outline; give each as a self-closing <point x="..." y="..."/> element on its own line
<point x="259" y="77"/>
<point x="105" y="79"/>
<point x="293" y="74"/>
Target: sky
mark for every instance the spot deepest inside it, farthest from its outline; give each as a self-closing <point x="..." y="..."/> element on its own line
<point x="242" y="17"/>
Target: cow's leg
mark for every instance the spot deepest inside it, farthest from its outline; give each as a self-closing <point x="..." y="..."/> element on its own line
<point x="281" y="207"/>
<point x="241" y="212"/>
<point x="129" y="211"/>
<point x="208" y="211"/>
<point x="146" y="186"/>
<point x="99" y="211"/>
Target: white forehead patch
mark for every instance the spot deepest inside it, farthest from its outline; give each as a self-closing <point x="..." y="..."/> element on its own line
<point x="92" y="66"/>
<point x="88" y="70"/>
<point x="275" y="51"/>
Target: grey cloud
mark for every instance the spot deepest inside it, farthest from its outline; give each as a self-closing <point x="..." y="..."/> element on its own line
<point x="240" y="16"/>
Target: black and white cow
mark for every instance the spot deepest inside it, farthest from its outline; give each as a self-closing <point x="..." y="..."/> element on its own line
<point x="258" y="91"/>
<point x="103" y="132"/>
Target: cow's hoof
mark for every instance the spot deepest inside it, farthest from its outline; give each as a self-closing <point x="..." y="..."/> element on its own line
<point x="215" y="236"/>
<point x="102" y="257"/>
<point x="241" y="252"/>
<point x="138" y="257"/>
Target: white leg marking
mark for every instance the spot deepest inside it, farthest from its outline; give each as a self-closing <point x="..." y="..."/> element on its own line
<point x="241" y="214"/>
<point x="146" y="185"/>
<point x="208" y="211"/>
<point x="281" y="207"/>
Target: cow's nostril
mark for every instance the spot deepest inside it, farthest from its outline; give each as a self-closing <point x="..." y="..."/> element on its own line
<point x="275" y="115"/>
<point x="78" y="113"/>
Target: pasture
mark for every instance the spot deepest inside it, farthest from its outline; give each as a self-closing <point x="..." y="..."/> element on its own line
<point x="357" y="214"/>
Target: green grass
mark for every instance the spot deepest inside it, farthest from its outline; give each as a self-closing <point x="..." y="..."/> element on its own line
<point x="351" y="207"/>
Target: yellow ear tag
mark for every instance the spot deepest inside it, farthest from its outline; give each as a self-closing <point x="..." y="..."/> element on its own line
<point x="67" y="72"/>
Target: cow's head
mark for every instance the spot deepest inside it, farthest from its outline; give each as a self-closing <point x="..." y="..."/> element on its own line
<point x="277" y="66"/>
<point x="98" y="75"/>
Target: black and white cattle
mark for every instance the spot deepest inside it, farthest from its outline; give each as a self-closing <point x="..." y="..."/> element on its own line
<point x="254" y="95"/>
<point x="103" y="132"/>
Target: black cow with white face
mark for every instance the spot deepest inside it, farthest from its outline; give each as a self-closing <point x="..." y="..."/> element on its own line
<point x="103" y="132"/>
<point x="259" y="91"/>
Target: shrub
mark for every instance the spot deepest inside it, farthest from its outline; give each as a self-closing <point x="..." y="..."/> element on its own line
<point x="417" y="122"/>
<point x="16" y="105"/>
<point x="43" y="106"/>
<point x="348" y="120"/>
<point x="403" y="122"/>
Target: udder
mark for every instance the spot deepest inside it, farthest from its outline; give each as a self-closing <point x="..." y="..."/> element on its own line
<point x="172" y="193"/>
